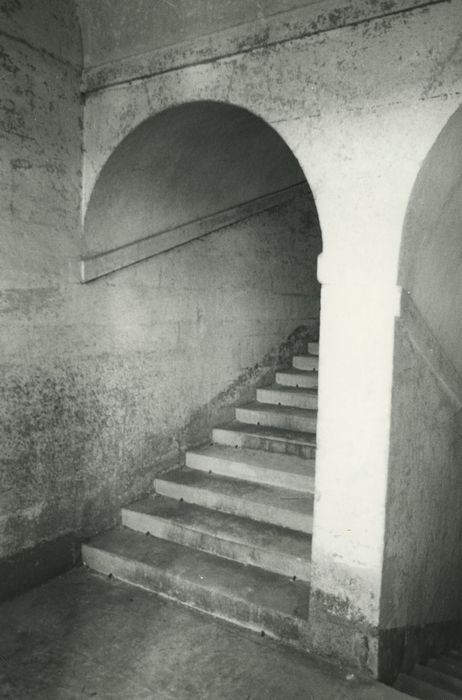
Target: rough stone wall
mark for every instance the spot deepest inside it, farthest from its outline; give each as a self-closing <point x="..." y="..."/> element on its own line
<point x="40" y="176"/>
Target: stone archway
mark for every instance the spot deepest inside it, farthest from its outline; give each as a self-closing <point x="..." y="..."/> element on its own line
<point x="226" y="181"/>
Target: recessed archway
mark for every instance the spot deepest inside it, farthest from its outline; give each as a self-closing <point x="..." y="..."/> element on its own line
<point x="195" y="169"/>
<point x="248" y="275"/>
<point x="238" y="279"/>
<point x="422" y="570"/>
<point x="182" y="164"/>
<point x="204" y="168"/>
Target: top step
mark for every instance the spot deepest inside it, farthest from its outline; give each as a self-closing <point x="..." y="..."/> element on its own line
<point x="306" y="362"/>
<point x="313" y="348"/>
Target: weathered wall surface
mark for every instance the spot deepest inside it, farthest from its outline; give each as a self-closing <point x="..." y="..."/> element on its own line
<point x="40" y="178"/>
<point x="120" y="29"/>
<point x="50" y="29"/>
<point x="423" y="557"/>
<point x="359" y="96"/>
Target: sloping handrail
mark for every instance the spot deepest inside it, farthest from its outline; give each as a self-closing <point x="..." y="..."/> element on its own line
<point x="100" y="264"/>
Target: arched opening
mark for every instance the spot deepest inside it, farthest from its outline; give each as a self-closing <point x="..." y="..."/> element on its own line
<point x="422" y="570"/>
<point x="234" y="378"/>
<point x="209" y="171"/>
<point x="184" y="164"/>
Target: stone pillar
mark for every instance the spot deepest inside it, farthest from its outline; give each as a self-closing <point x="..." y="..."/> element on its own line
<point x="356" y="359"/>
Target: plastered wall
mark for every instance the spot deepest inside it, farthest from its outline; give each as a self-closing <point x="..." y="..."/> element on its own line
<point x="422" y="569"/>
<point x="421" y="612"/>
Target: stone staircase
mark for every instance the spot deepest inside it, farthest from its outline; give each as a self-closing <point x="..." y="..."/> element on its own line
<point x="439" y="679"/>
<point x="230" y="532"/>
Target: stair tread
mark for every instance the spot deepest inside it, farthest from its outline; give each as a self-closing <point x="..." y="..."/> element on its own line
<point x="226" y="526"/>
<point x="305" y="357"/>
<point x="261" y="466"/>
<point x="295" y="370"/>
<point x="275" y="409"/>
<point x="290" y="500"/>
<point x="306" y="362"/>
<point x="259" y="458"/>
<point x="302" y="437"/>
<point x="287" y="389"/>
<point x="446" y="667"/>
<point x="276" y="415"/>
<point x="416" y="687"/>
<point x="441" y="679"/>
<point x="287" y="395"/>
<point x="298" y="378"/>
<point x="451" y="662"/>
<point x="206" y="571"/>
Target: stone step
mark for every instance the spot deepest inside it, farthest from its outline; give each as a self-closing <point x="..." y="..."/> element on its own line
<point x="273" y="548"/>
<point x="305" y="362"/>
<point x="258" y="437"/>
<point x="284" y="471"/>
<point x="272" y="416"/>
<point x="418" y="688"/>
<point x="283" y="507"/>
<point x="448" y="664"/>
<point x="246" y="595"/>
<point x="439" y="679"/>
<point x="313" y="348"/>
<point x="297" y="378"/>
<point x="288" y="396"/>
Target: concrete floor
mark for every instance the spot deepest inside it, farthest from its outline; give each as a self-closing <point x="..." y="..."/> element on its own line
<point x="84" y="636"/>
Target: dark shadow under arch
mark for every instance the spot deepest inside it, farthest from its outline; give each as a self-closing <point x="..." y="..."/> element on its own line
<point x="183" y="164"/>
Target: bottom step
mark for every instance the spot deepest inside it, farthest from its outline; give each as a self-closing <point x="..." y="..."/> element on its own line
<point x="250" y="542"/>
<point x="245" y="595"/>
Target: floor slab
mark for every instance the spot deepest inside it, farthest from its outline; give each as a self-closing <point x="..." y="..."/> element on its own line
<point x="85" y="636"/>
